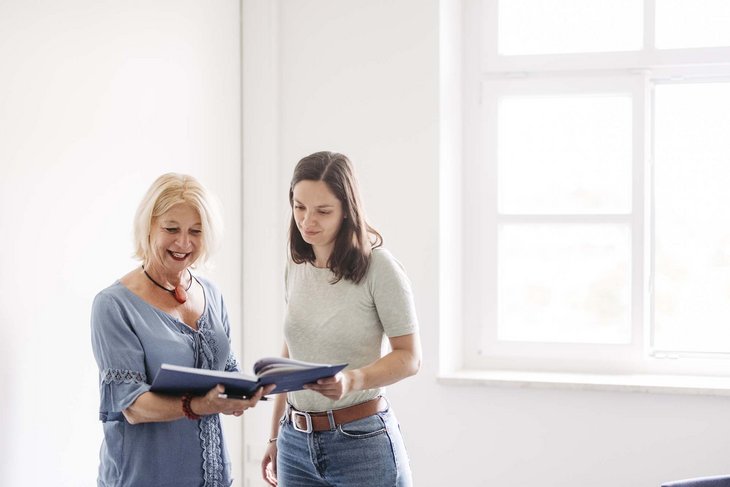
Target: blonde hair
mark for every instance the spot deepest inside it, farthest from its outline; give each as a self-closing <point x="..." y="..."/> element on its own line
<point x="167" y="191"/>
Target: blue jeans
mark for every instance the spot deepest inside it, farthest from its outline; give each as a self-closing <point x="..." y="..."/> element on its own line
<point x="367" y="452"/>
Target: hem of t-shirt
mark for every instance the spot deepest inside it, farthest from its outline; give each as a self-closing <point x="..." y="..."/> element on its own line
<point x="400" y="332"/>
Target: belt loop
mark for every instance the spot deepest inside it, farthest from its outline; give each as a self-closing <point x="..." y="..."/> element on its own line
<point x="331" y="417"/>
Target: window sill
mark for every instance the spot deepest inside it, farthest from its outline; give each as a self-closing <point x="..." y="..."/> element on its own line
<point x="661" y="384"/>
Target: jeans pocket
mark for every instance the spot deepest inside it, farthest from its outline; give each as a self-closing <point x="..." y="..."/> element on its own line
<point x="363" y="428"/>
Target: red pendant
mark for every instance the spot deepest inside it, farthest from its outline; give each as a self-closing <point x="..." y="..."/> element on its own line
<point x="180" y="294"/>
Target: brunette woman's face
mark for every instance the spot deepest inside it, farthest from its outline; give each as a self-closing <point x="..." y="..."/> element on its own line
<point x="318" y="215"/>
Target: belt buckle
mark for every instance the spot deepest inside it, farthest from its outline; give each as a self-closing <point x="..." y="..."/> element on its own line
<point x="307" y="419"/>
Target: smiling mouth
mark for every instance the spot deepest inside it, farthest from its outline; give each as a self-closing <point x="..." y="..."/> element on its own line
<point x="178" y="255"/>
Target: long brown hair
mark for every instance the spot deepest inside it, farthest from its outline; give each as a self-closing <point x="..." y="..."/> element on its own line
<point x="356" y="238"/>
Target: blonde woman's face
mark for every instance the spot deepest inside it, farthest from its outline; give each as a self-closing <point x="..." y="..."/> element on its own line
<point x="176" y="238"/>
<point x="318" y="215"/>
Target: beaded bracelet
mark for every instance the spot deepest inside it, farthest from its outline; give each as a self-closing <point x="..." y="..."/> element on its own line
<point x="187" y="410"/>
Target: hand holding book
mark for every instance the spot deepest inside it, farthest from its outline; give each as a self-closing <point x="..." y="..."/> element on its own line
<point x="287" y="374"/>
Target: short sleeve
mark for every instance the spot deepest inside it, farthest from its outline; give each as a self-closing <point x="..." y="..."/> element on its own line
<point x="392" y="294"/>
<point x="119" y="356"/>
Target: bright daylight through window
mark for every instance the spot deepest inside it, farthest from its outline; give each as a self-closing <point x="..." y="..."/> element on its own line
<point x="597" y="186"/>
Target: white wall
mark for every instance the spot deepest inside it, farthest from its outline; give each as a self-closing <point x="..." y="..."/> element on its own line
<point x="97" y="98"/>
<point x="362" y="77"/>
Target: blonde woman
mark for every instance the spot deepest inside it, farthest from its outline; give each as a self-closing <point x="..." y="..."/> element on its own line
<point x="162" y="312"/>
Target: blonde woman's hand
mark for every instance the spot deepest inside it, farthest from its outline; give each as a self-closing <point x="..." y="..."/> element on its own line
<point x="213" y="403"/>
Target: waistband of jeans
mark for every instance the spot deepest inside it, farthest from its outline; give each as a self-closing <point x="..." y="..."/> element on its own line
<point x="306" y="422"/>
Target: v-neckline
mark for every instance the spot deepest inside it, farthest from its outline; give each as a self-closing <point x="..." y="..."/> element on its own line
<point x="168" y="315"/>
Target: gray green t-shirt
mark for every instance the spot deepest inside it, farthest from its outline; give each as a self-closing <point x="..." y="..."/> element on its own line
<point x="345" y="322"/>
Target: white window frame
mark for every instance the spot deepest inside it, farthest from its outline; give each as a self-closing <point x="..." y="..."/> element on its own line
<point x="484" y="350"/>
<point x="486" y="76"/>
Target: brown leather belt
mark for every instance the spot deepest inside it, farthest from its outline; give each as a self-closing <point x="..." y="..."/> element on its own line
<point x="309" y="422"/>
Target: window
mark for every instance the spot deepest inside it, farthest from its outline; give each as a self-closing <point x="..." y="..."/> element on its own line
<point x="596" y="186"/>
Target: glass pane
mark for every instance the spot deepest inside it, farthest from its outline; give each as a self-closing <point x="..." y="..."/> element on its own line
<point x="569" y="26"/>
<point x="692" y="217"/>
<point x="564" y="283"/>
<point x="565" y="154"/>
<point x="695" y="23"/>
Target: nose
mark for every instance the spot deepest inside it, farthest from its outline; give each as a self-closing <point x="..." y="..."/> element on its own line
<point x="308" y="218"/>
<point x="183" y="241"/>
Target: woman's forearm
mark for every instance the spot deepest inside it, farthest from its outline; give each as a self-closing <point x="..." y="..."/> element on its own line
<point x="150" y="407"/>
<point x="402" y="362"/>
<point x="389" y="369"/>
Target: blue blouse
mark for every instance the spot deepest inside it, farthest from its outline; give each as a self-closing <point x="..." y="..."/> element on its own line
<point x="130" y="339"/>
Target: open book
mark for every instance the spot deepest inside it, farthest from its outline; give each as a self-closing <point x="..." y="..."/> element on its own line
<point x="288" y="375"/>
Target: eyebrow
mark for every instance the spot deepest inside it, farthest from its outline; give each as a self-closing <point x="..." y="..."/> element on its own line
<point x="319" y="206"/>
<point x="175" y="222"/>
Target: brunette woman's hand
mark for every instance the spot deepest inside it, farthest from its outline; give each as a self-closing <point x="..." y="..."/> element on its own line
<point x="334" y="387"/>
<point x="268" y="464"/>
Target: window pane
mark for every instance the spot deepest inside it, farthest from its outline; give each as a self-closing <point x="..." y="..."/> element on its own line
<point x="569" y="26"/>
<point x="695" y="23"/>
<point x="564" y="283"/>
<point x="692" y="217"/>
<point x="565" y="154"/>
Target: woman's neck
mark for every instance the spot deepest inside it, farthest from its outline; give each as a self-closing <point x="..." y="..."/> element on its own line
<point x="322" y="256"/>
<point x="165" y="277"/>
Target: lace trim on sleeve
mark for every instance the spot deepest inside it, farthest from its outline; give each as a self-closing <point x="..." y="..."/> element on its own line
<point x="121" y="376"/>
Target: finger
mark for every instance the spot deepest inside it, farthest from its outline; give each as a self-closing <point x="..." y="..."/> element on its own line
<point x="261" y="392"/>
<point x="213" y="393"/>
<point x="266" y="470"/>
<point x="319" y="389"/>
<point x="325" y="388"/>
<point x="271" y="472"/>
<point x="251" y="402"/>
<point x="264" y="462"/>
